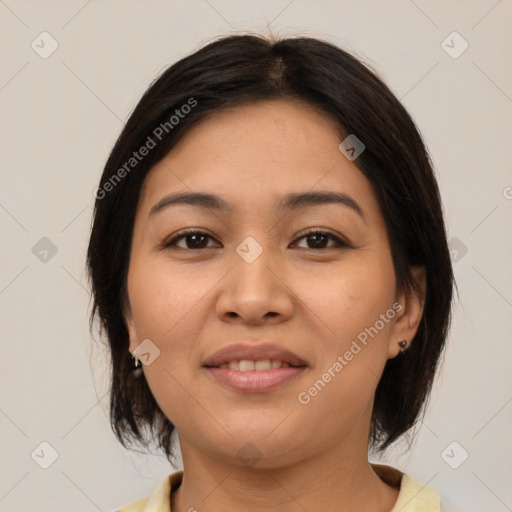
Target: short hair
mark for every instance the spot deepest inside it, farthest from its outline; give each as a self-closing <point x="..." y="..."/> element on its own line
<point x="241" y="69"/>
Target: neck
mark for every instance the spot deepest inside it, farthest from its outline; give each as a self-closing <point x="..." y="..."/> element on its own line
<point x="340" y="480"/>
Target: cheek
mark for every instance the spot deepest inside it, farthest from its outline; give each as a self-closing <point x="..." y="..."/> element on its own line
<point x="353" y="350"/>
<point x="163" y="300"/>
<point x="168" y="307"/>
<point x="348" y="298"/>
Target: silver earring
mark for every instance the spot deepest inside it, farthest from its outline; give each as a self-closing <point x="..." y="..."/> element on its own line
<point x="136" y="366"/>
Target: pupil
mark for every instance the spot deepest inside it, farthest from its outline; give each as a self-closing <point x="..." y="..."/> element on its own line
<point x="317" y="241"/>
<point x="197" y="238"/>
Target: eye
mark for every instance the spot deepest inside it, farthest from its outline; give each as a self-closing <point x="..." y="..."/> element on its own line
<point x="193" y="240"/>
<point x="197" y="240"/>
<point x="320" y="238"/>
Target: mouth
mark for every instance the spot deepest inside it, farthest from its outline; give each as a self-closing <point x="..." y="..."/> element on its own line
<point x="254" y="369"/>
<point x="247" y="365"/>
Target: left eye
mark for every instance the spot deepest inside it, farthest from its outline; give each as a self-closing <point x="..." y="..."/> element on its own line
<point x="320" y="237"/>
<point x="195" y="240"/>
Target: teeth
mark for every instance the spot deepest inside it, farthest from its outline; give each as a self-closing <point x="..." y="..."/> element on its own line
<point x="262" y="365"/>
<point x="246" y="365"/>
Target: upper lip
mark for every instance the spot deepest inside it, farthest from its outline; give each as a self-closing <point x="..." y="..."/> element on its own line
<point x="259" y="352"/>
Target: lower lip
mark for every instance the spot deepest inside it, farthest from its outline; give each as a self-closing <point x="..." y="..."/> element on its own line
<point x="255" y="381"/>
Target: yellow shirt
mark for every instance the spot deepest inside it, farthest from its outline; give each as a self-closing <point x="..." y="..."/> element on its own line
<point x="413" y="497"/>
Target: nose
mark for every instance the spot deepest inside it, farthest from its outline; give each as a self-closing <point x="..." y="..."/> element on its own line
<point x="255" y="293"/>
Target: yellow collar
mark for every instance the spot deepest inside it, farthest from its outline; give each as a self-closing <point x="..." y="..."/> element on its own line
<point x="413" y="497"/>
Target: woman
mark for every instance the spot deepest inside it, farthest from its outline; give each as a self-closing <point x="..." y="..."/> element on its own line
<point x="269" y="263"/>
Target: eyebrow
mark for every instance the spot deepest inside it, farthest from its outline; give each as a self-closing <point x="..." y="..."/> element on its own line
<point x="288" y="202"/>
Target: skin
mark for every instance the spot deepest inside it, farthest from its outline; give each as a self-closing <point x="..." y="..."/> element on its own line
<point x="190" y="303"/>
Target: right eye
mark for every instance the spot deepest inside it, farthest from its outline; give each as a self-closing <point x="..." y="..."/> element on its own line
<point x="194" y="239"/>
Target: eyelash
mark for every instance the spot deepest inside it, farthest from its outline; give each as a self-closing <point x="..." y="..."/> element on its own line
<point x="339" y="242"/>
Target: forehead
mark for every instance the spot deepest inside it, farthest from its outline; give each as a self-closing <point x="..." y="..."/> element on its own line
<point x="254" y="154"/>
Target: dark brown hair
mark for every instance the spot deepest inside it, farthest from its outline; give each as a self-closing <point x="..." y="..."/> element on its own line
<point x="240" y="69"/>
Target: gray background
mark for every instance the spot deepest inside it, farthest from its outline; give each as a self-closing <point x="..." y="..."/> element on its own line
<point x="61" y="114"/>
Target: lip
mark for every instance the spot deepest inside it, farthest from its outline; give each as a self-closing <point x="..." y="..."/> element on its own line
<point x="253" y="352"/>
<point x="255" y="381"/>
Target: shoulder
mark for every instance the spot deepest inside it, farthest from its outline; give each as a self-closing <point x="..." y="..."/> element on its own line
<point x="159" y="500"/>
<point x="413" y="496"/>
<point x="416" y="497"/>
<point x="137" y="506"/>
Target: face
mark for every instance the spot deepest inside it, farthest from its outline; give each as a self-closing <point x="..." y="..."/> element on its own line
<point x="307" y="282"/>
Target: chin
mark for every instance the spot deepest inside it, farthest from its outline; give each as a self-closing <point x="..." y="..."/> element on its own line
<point x="254" y="450"/>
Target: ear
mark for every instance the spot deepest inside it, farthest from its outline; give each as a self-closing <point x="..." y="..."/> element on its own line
<point x="130" y="325"/>
<point x="410" y="305"/>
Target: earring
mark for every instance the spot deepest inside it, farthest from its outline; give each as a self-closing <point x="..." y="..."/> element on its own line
<point x="402" y="344"/>
<point x="136" y="366"/>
